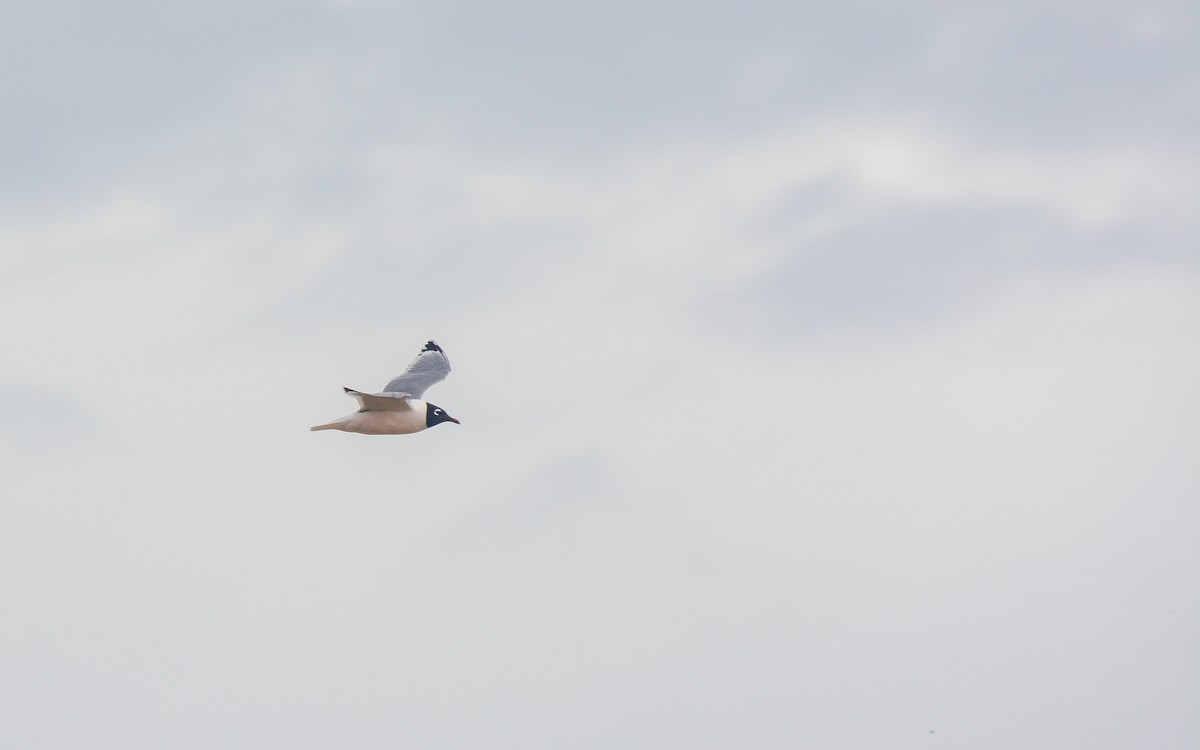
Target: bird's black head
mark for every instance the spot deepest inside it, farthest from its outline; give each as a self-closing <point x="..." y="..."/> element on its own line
<point x="437" y="415"/>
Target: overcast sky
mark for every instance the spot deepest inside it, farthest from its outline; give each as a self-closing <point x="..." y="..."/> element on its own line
<point x="828" y="375"/>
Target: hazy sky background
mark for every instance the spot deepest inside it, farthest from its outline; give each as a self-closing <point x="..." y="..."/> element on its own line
<point x="828" y="375"/>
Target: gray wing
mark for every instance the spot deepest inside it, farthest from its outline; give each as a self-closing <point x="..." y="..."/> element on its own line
<point x="431" y="366"/>
<point x="380" y="401"/>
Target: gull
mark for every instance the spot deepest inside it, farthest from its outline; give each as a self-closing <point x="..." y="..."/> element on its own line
<point x="399" y="410"/>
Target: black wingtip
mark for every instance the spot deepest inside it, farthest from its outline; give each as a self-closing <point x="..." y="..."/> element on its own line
<point x="431" y="346"/>
<point x="349" y="390"/>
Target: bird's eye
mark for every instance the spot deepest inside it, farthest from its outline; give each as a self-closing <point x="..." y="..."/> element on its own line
<point x="437" y="411"/>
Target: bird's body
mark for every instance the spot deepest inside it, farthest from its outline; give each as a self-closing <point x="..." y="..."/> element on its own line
<point x="372" y="422"/>
<point x="399" y="410"/>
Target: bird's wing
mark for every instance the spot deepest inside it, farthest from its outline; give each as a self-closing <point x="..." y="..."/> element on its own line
<point x="389" y="401"/>
<point x="431" y="366"/>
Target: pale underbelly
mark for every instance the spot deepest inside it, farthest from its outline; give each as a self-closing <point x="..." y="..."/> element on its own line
<point x="385" y="422"/>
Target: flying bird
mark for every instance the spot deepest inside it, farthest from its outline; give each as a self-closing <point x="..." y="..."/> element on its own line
<point x="399" y="410"/>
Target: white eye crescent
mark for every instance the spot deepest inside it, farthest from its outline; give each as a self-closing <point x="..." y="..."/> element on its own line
<point x="437" y="411"/>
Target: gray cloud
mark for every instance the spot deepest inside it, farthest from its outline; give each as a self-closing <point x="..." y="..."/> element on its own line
<point x="827" y="376"/>
<point x="46" y="423"/>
